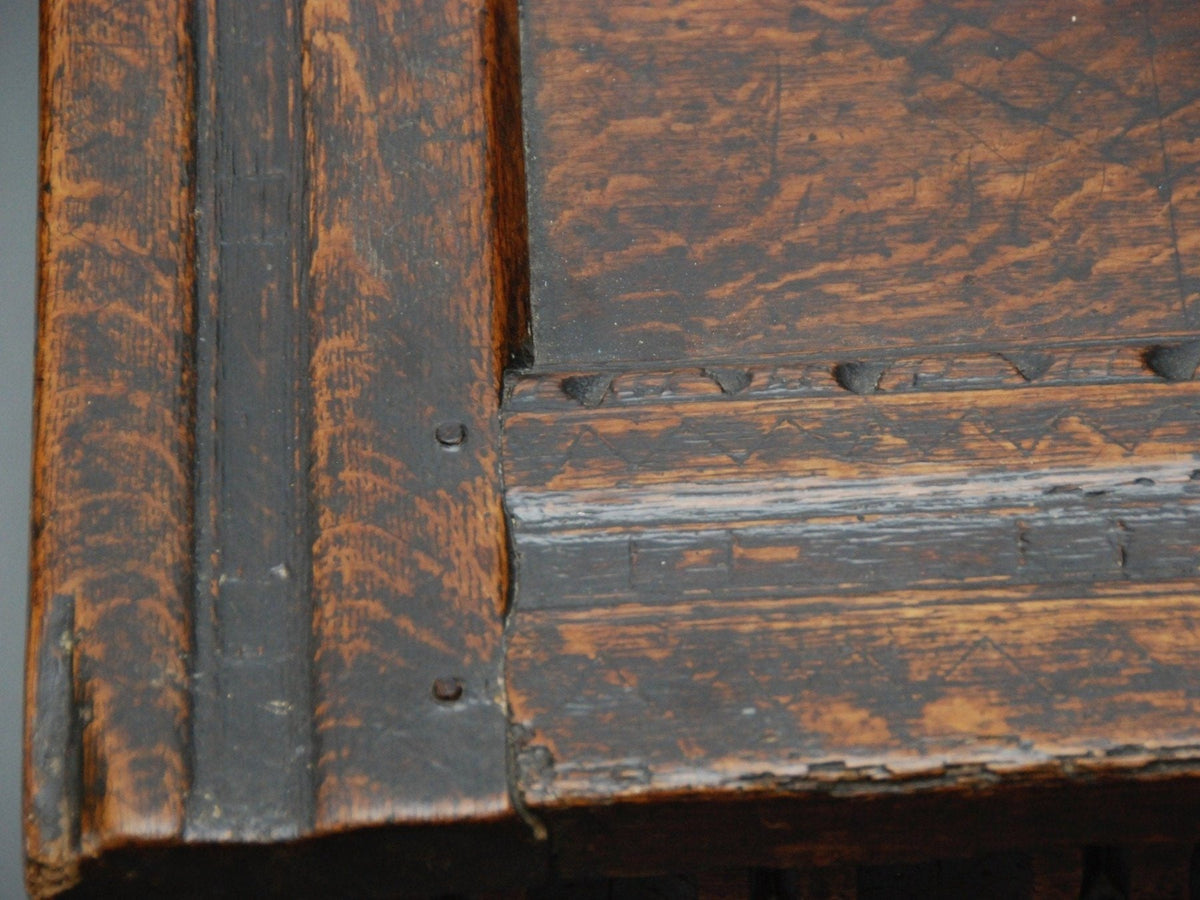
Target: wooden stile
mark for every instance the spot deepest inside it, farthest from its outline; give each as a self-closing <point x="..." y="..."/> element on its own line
<point x="270" y="555"/>
<point x="107" y="700"/>
<point x="408" y="568"/>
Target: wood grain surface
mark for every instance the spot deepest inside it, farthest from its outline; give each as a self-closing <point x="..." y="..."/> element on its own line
<point x="281" y="276"/>
<point x="107" y="697"/>
<point x="847" y="538"/>
<point x="408" y="554"/>
<point x="842" y="438"/>
<point x="739" y="582"/>
<point x="864" y="176"/>
<point x="791" y="696"/>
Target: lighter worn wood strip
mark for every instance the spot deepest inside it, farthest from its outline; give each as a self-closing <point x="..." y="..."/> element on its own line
<point x="409" y="578"/>
<point x="785" y="697"/>
<point x="735" y="543"/>
<point x="112" y="496"/>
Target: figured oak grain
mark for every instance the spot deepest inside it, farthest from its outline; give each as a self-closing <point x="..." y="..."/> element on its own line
<point x="892" y="557"/>
<point x="107" y="697"/>
<point x="279" y="287"/>
<point x="408" y="554"/>
<point x="792" y="697"/>
<point x="858" y="175"/>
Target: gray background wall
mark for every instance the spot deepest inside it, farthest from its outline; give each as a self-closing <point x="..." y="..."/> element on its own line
<point x="18" y="181"/>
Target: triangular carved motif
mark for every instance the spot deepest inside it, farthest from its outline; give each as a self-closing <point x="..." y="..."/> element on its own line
<point x="587" y="450"/>
<point x="736" y="446"/>
<point x="985" y="662"/>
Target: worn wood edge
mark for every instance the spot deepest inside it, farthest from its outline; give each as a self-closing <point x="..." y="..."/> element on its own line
<point x="560" y="766"/>
<point x="136" y="341"/>
<point x="977" y="485"/>
<point x="873" y="778"/>
<point x="1113" y="592"/>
